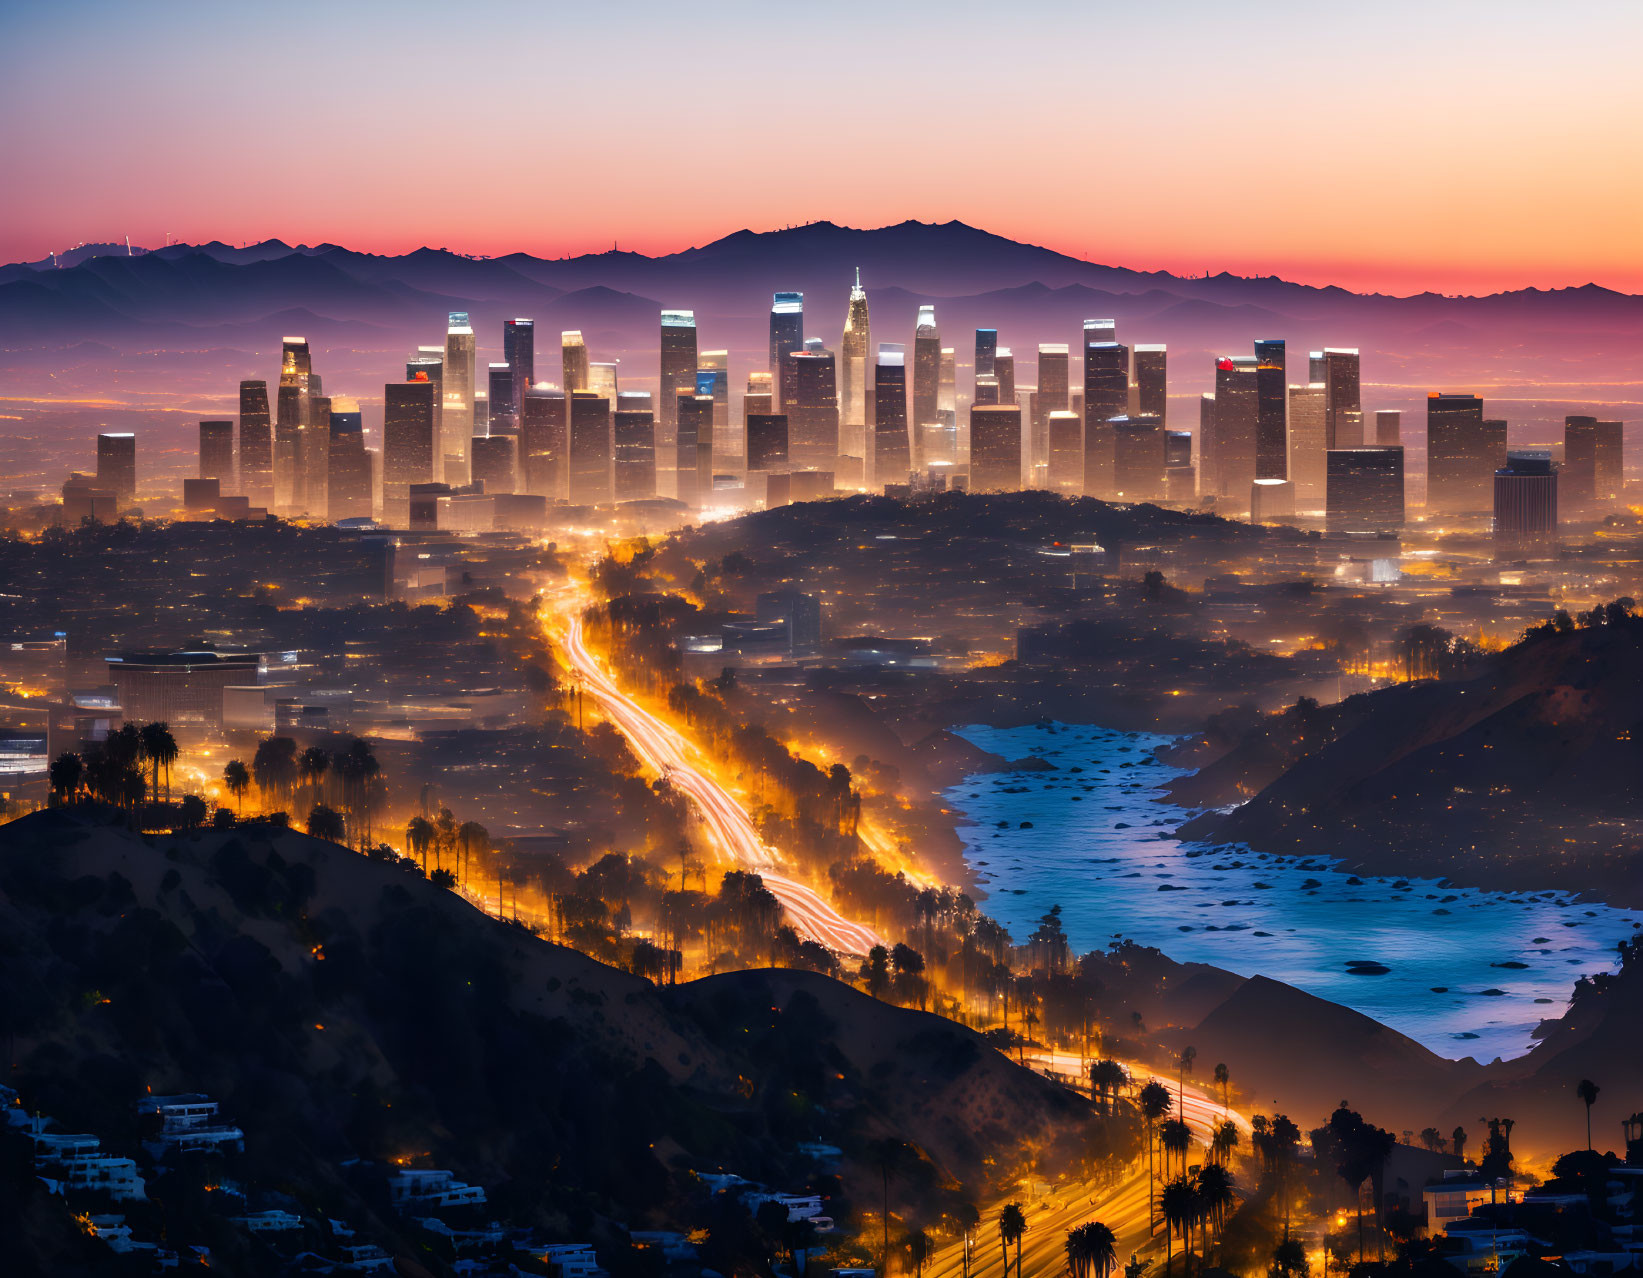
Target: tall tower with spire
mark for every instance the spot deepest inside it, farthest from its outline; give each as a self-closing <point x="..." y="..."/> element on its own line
<point x="853" y="374"/>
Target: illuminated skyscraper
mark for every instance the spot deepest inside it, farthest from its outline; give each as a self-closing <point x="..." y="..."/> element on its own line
<point x="314" y="454"/>
<point x="117" y="467"/>
<point x="493" y="462"/>
<point x="1525" y="503"/>
<point x="350" y="469"/>
<point x="591" y="449"/>
<point x="602" y="379"/>
<point x="1591" y="476"/>
<point x="1388" y="427"/>
<point x="504" y="416"/>
<point x="1180" y="476"/>
<point x="1138" y="458"/>
<point x="1236" y="417"/>
<point x="1315" y="367"/>
<point x="544" y="432"/>
<point x="678" y="365"/>
<point x="1206" y="443"/>
<point x="1271" y="410"/>
<point x="855" y="359"/>
<point x="1364" y="490"/>
<point x="296" y="374"/>
<point x="1064" y="471"/>
<point x="634" y="433"/>
<point x="812" y="407"/>
<point x="1151" y="373"/>
<point x="217" y="453"/>
<point x="1463" y="452"/>
<point x="986" y="351"/>
<point x="431" y="361"/>
<point x="995" y="448"/>
<point x="519" y="354"/>
<point x="407" y="445"/>
<point x="1106" y="395"/>
<point x="693" y="454"/>
<point x="256" y="444"/>
<point x="457" y="418"/>
<point x="1004" y="370"/>
<point x="573" y="359"/>
<point x="1097" y="331"/>
<point x="713" y="378"/>
<point x="1054" y="385"/>
<point x="767" y="443"/>
<point x="1341" y="395"/>
<point x="926" y="377"/>
<point x="1308" y="445"/>
<point x="786" y="336"/>
<point x="892" y="452"/>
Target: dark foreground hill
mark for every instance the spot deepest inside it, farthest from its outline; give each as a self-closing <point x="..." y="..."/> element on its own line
<point x="1525" y="772"/>
<point x="341" y="1008"/>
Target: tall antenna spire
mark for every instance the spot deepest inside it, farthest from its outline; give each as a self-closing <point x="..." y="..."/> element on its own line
<point x="858" y="277"/>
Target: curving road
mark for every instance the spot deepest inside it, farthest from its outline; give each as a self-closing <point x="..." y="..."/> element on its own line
<point x="670" y="754"/>
<point x="1125" y="1207"/>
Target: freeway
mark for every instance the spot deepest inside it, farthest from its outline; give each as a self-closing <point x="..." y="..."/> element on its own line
<point x="1125" y="1207"/>
<point x="673" y="757"/>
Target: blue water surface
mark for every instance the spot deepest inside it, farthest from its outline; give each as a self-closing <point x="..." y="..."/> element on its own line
<point x="1466" y="972"/>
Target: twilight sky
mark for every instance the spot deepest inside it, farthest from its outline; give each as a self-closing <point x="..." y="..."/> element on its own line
<point x="1460" y="145"/>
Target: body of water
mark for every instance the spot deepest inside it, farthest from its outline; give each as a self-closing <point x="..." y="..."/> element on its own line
<point x="1467" y="973"/>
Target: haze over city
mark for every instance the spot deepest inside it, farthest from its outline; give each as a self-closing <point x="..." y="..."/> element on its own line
<point x="847" y="642"/>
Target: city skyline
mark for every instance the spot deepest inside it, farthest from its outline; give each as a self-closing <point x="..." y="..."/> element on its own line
<point x="1437" y="151"/>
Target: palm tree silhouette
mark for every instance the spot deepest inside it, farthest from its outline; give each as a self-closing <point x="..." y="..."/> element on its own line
<point x="1012" y="1223"/>
<point x="1090" y="1250"/>
<point x="1223" y="1080"/>
<point x="1183" y="1068"/>
<point x="1179" y="1207"/>
<point x="237" y="778"/>
<point x="1154" y="1105"/>
<point x="1587" y="1091"/>
<point x="160" y="749"/>
<point x="419" y="835"/>
<point x="1176" y="1137"/>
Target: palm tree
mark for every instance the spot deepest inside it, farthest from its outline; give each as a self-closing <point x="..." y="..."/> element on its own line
<point x="275" y="766"/>
<point x="419" y="835"/>
<point x="237" y="778"/>
<point x="312" y="764"/>
<point x="1224" y="1141"/>
<point x="1090" y="1250"/>
<point x="358" y="768"/>
<point x="1154" y="1105"/>
<point x="474" y="840"/>
<point x="66" y="771"/>
<point x="1176" y="1137"/>
<point x="160" y="749"/>
<point x="1587" y="1091"/>
<point x="1223" y="1080"/>
<point x="1215" y="1191"/>
<point x="1179" y="1206"/>
<point x="1012" y="1223"/>
<point x="1183" y="1068"/>
<point x="1107" y="1078"/>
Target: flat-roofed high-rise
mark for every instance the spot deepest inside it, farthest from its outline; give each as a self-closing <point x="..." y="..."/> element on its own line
<point x="407" y="445"/>
<point x="1237" y="413"/>
<point x="1593" y="452"/>
<point x="1151" y="371"/>
<point x="493" y="462"/>
<point x="1525" y="501"/>
<point x="350" y="468"/>
<point x="1271" y="410"/>
<point x="457" y="419"/>
<point x="1463" y="452"/>
<point x="1308" y="445"/>
<point x="926" y="397"/>
<point x="1138" y="458"/>
<point x="634" y="434"/>
<point x="1064" y="468"/>
<point x="504" y="410"/>
<point x="256" y="444"/>
<point x="573" y="360"/>
<point x="995" y="448"/>
<point x="591" y="449"/>
<point x="892" y="451"/>
<point x="217" y="453"/>
<point x="519" y="354"/>
<point x="117" y="466"/>
<point x="1364" y="490"/>
<point x="812" y="408"/>
<point x="786" y="336"/>
<point x="544" y="434"/>
<point x="1341" y="395"/>
<point x="693" y="451"/>
<point x="1106" y="395"/>
<point x="678" y="365"/>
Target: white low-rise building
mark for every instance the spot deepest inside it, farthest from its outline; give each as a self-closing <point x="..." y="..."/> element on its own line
<point x="428" y="1187"/>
